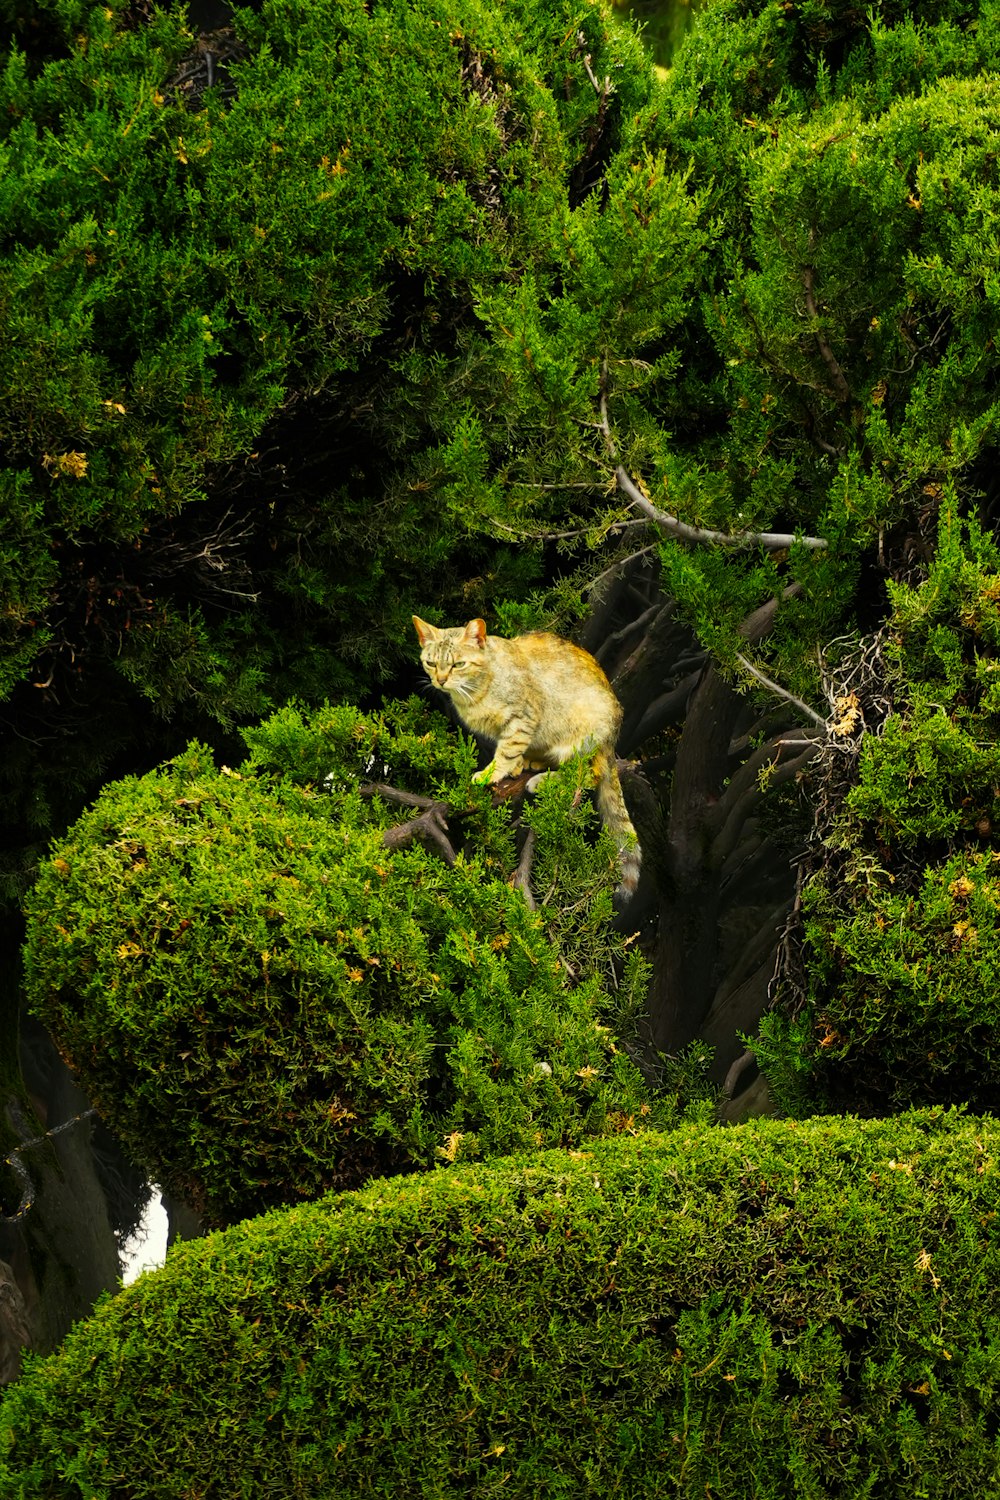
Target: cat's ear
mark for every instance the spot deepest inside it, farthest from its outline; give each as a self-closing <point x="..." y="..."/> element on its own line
<point x="475" y="634"/>
<point x="424" y="631"/>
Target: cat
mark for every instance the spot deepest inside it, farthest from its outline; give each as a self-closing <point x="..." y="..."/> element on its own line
<point x="541" y="700"/>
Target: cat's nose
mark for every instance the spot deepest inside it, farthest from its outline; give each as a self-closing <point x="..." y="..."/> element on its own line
<point x="442" y="677"/>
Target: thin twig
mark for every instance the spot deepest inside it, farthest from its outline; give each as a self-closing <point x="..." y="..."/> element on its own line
<point x="17" y="1165"/>
<point x="603" y="91"/>
<point x="620" y="563"/>
<point x="781" y="692"/>
<point x="562" y="536"/>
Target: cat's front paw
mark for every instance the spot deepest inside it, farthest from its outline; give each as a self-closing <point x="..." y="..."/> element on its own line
<point x="499" y="770"/>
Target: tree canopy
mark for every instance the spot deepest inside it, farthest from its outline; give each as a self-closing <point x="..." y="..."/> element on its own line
<point x="354" y="311"/>
<point x="464" y="311"/>
<point x="247" y="357"/>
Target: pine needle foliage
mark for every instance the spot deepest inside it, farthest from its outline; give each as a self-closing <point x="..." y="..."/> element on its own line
<point x="836" y="372"/>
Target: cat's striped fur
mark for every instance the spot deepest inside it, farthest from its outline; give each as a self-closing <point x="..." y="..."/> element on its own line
<point x="541" y="700"/>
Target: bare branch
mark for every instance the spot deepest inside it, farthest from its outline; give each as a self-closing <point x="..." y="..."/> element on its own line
<point x="737" y="808"/>
<point x="771" y="541"/>
<point x="521" y="878"/>
<point x="744" y="778"/>
<point x="396" y="794"/>
<point x="602" y="90"/>
<point x="13" y="1160"/>
<point x="634" y="627"/>
<point x="736" y="1071"/>
<point x="781" y="692"/>
<point x="430" y="824"/>
<point x="620" y="563"/>
<point x="757" y="625"/>
<point x="666" y="709"/>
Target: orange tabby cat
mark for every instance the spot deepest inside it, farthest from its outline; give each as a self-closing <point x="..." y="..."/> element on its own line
<point x="541" y="700"/>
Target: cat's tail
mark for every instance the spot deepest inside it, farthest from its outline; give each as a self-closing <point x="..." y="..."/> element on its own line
<point x="611" y="806"/>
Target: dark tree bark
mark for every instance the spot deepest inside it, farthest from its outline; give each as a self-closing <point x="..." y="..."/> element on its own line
<point x="57" y="1233"/>
<point x="715" y="890"/>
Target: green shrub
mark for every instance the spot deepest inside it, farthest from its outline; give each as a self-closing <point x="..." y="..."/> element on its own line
<point x="763" y="1313"/>
<point x="838" y="371"/>
<point x="902" y="920"/>
<point x="264" y="1002"/>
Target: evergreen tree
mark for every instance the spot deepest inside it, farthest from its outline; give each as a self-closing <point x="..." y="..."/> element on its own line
<point x="455" y="309"/>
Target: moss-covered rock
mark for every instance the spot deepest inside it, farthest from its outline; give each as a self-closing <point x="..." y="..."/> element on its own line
<point x="771" y="1311"/>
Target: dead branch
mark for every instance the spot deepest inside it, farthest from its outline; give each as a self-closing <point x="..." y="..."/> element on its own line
<point x="781" y="692"/>
<point x="431" y="823"/>
<point x="521" y="878"/>
<point x="770" y="541"/>
<point x="396" y="794"/>
<point x="602" y="90"/>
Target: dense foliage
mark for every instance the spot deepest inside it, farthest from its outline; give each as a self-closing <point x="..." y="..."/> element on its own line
<point x="451" y="307"/>
<point x="265" y="1002"/>
<point x="761" y="1313"/>
<point x="294" y="360"/>
<point x="243" y="342"/>
<point x="901" y="941"/>
<point x="846" y="367"/>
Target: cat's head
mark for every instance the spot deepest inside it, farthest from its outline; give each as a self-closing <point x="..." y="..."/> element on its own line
<point x="455" y="658"/>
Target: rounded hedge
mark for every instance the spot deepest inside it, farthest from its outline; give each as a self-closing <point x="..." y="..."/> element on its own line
<point x="265" y="1003"/>
<point x="775" y="1310"/>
